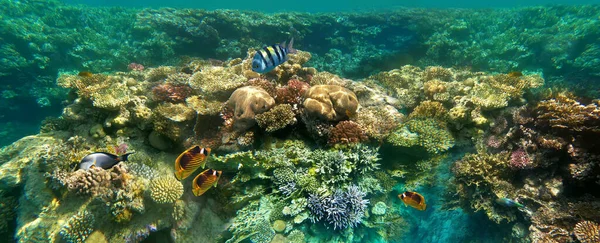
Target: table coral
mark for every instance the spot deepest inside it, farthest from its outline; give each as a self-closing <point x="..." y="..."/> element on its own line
<point x="246" y="102"/>
<point x="330" y="102"/>
<point x="216" y="82"/>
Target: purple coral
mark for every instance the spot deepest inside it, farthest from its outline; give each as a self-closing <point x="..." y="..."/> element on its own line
<point x="519" y="159"/>
<point x="342" y="209"/>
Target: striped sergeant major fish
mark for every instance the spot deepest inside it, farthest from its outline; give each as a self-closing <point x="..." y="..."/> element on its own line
<point x="269" y="57"/>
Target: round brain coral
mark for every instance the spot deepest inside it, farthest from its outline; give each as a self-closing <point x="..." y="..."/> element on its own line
<point x="245" y="103"/>
<point x="587" y="232"/>
<point x="165" y="189"/>
<point x="330" y="102"/>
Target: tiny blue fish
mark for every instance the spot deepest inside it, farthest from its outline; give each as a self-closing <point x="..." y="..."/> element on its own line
<point x="509" y="202"/>
<point x="269" y="57"/>
<point x="102" y="160"/>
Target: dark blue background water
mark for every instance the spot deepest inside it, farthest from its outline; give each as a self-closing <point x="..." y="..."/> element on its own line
<point x="319" y="6"/>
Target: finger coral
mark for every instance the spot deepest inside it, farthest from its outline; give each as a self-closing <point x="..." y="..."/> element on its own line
<point x="165" y="189"/>
<point x="292" y="93"/>
<point x="347" y="132"/>
<point x="276" y="118"/>
<point x="174" y="93"/>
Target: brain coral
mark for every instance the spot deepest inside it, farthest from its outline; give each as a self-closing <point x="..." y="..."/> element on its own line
<point x="245" y="103"/>
<point x="165" y="189"/>
<point x="78" y="227"/>
<point x="330" y="102"/>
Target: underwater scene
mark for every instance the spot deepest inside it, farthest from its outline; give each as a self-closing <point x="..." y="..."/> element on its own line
<point x="235" y="125"/>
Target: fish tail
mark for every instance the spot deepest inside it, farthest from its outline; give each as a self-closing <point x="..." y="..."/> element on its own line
<point x="519" y="205"/>
<point x="290" y="46"/>
<point x="124" y="157"/>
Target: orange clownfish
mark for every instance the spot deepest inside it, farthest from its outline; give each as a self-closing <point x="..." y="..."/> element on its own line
<point x="190" y="160"/>
<point x="205" y="181"/>
<point x="414" y="200"/>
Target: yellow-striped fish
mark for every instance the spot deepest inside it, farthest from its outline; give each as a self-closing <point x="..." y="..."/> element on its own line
<point x="205" y="181"/>
<point x="269" y="57"/>
<point x="190" y="160"/>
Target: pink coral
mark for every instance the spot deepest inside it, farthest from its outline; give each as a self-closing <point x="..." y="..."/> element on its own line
<point x="493" y="142"/>
<point x="519" y="159"/>
<point x="171" y="93"/>
<point x="292" y="93"/>
<point x="135" y="67"/>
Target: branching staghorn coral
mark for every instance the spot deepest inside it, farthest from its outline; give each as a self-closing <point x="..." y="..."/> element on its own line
<point x="342" y="209"/>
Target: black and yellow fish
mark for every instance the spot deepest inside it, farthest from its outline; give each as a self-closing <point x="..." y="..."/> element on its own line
<point x="190" y="160"/>
<point x="205" y="181"/>
<point x="102" y="160"/>
<point x="414" y="200"/>
<point x="269" y="57"/>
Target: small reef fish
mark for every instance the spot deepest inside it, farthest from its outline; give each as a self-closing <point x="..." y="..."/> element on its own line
<point x="509" y="202"/>
<point x="205" y="181"/>
<point x="515" y="74"/>
<point x="269" y="57"/>
<point x="85" y="74"/>
<point x="414" y="200"/>
<point x="102" y="160"/>
<point x="190" y="160"/>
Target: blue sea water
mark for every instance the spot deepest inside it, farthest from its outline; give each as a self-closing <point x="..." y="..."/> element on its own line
<point x="23" y="116"/>
<point x="329" y="6"/>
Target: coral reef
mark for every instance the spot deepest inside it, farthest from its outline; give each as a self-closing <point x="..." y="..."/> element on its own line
<point x="246" y="102"/>
<point x="165" y="189"/>
<point x="78" y="227"/>
<point x="330" y="102"/>
<point x="343" y="209"/>
<point x="276" y="118"/>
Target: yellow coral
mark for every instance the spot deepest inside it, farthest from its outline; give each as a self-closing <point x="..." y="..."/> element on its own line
<point x="330" y="102"/>
<point x="327" y="78"/>
<point x="217" y="82"/>
<point x="175" y="112"/>
<point x="276" y="118"/>
<point x="430" y="109"/>
<point x="587" y="232"/>
<point x="165" y="189"/>
<point x="204" y="107"/>
<point x="245" y="103"/>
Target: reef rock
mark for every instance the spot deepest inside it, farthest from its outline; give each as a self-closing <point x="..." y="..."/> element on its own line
<point x="330" y="102"/>
<point x="246" y="102"/>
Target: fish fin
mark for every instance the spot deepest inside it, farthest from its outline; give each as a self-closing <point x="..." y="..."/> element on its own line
<point x="290" y="46"/>
<point x="124" y="157"/>
<point x="282" y="44"/>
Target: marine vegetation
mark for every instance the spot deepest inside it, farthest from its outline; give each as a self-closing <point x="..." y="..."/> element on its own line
<point x="356" y="139"/>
